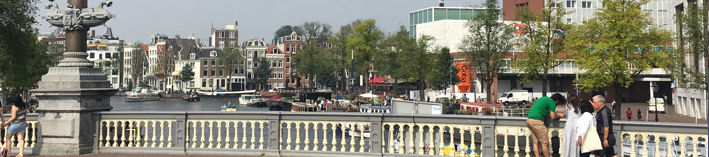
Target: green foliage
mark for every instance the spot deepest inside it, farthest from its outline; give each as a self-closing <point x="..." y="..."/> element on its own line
<point x="386" y="61"/>
<point x="316" y="32"/>
<point x="262" y="73"/>
<point x="23" y="60"/>
<point x="231" y="59"/>
<point x="314" y="63"/>
<point x="619" y="36"/>
<point x="443" y="70"/>
<point x="692" y="43"/>
<point x="186" y="74"/>
<point x="487" y="44"/>
<point x="287" y="30"/>
<point x="543" y="42"/>
<point x="363" y="41"/>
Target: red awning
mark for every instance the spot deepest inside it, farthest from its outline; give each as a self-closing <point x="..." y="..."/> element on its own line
<point x="377" y="80"/>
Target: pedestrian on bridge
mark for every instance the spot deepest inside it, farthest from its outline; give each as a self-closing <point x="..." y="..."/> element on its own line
<point x="544" y="107"/>
<point x="17" y="124"/>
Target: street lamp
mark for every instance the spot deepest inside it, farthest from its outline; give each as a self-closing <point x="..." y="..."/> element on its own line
<point x="655" y="101"/>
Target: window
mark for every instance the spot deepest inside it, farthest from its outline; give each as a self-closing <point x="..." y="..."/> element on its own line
<point x="233" y="44"/>
<point x="214" y="62"/>
<point x="108" y="55"/>
<point x="222" y="34"/>
<point x="287" y="48"/>
<point x="211" y="82"/>
<point x="91" y="55"/>
<point x="554" y="4"/>
<point x="204" y="83"/>
<point x="193" y="56"/>
<point x="288" y="59"/>
<point x="568" y="20"/>
<point x="231" y="34"/>
<point x="275" y="51"/>
<point x="570" y="4"/>
<point x="205" y="62"/>
<point x="213" y="72"/>
<point x="280" y="63"/>
<point x="221" y="73"/>
<point x="585" y="4"/>
<point x="204" y="73"/>
<point x="221" y="44"/>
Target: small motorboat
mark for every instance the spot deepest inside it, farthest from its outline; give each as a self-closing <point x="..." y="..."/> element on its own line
<point x="229" y="107"/>
<point x="141" y="95"/>
<point x="191" y="97"/>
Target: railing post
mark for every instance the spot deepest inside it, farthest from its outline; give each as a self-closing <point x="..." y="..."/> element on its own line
<point x="274" y="130"/>
<point x="376" y="134"/>
<point x="180" y="132"/>
<point x="97" y="123"/>
<point x="618" y="137"/>
<point x="488" y="136"/>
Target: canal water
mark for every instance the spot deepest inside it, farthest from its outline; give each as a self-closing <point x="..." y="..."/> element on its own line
<point x="177" y="104"/>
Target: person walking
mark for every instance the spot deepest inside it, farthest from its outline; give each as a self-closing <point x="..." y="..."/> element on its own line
<point x="583" y="123"/>
<point x="640" y="115"/>
<point x="572" y="113"/>
<point x="629" y="114"/>
<point x="544" y="107"/>
<point x="604" y="121"/>
<point x="17" y="125"/>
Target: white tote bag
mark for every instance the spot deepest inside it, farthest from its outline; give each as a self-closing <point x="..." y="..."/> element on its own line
<point x="591" y="142"/>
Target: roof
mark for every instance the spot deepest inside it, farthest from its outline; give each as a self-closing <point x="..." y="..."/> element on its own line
<point x="184" y="47"/>
<point x="205" y="53"/>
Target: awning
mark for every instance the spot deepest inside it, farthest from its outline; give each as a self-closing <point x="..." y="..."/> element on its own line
<point x="377" y="80"/>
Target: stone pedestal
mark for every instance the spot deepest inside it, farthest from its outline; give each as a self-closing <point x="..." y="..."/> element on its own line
<point x="69" y="98"/>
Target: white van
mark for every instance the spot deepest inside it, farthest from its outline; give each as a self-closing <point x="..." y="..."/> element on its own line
<point x="515" y="98"/>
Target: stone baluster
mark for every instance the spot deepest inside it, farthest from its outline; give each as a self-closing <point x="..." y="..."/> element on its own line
<point x="390" y="146"/>
<point x="334" y="136"/>
<point x="253" y="133"/>
<point x="682" y="145"/>
<point x="260" y="137"/>
<point x="306" y="139"/>
<point x="194" y="134"/>
<point x="103" y="138"/>
<point x="657" y="145"/>
<point x="462" y="138"/>
<point x="645" y="139"/>
<point x="430" y="139"/>
<point x="441" y="129"/>
<point x="243" y="135"/>
<point x="162" y="134"/>
<point x="123" y="134"/>
<point x="528" y="142"/>
<point x="315" y="137"/>
<point x="352" y="141"/>
<point x="210" y="140"/>
<point x="34" y="135"/>
<point x="145" y="134"/>
<point x="472" y="138"/>
<point x="114" y="139"/>
<point x="421" y="140"/>
<point x="632" y="144"/>
<point x="516" y="141"/>
<point x="361" y="137"/>
<point x="342" y="140"/>
<point x="288" y="136"/>
<point x="669" y="145"/>
<point x="297" y="136"/>
<point x="401" y="139"/>
<point x="169" y="134"/>
<point x="153" y="139"/>
<point x="131" y="140"/>
<point x="219" y="134"/>
<point x="201" y="137"/>
<point x="227" y="136"/>
<point x="505" y="147"/>
<point x="695" y="141"/>
<point x="561" y="141"/>
<point x="451" y="144"/>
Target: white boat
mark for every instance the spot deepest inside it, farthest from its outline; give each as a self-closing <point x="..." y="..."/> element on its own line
<point x="140" y="95"/>
<point x="250" y="98"/>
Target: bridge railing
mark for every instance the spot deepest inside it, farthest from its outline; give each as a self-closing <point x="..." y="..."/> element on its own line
<point x="30" y="135"/>
<point x="348" y="134"/>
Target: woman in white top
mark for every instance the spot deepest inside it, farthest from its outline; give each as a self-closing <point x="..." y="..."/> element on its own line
<point x="583" y="123"/>
<point x="569" y="147"/>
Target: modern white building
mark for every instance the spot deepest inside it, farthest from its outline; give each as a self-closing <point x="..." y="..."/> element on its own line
<point x="662" y="11"/>
<point x="690" y="101"/>
<point x="104" y="51"/>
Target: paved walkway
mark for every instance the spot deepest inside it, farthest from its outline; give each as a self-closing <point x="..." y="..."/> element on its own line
<point x="670" y="115"/>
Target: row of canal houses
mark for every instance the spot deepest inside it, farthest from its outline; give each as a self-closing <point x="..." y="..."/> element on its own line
<point x="159" y="63"/>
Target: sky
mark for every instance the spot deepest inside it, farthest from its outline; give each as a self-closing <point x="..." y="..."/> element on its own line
<point x="137" y="20"/>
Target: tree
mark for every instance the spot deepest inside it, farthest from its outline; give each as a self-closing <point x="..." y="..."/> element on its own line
<point x="232" y="61"/>
<point x="186" y="75"/>
<point x="23" y="60"/>
<point x="616" y="46"/>
<point x="138" y="65"/>
<point x="487" y="44"/>
<point x="341" y="54"/>
<point x="415" y="62"/>
<point x="363" y="42"/>
<point x="440" y="76"/>
<point x="319" y="32"/>
<point x="287" y="30"/>
<point x="262" y="73"/>
<point x="692" y="41"/>
<point x="543" y="45"/>
<point x="316" y="64"/>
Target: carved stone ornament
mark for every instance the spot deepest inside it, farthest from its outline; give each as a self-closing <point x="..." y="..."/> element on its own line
<point x="71" y="18"/>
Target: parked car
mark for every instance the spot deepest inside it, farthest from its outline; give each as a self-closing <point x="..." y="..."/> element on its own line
<point x="660" y="105"/>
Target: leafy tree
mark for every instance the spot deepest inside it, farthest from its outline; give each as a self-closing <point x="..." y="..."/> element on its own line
<point x="287" y="30"/>
<point x="23" y="60"/>
<point x="315" y="64"/>
<point x="487" y="44"/>
<point x="415" y="62"/>
<point x="385" y="61"/>
<point x="319" y="32"/>
<point x="186" y="75"/>
<point x="616" y="46"/>
<point x="262" y="73"/>
<point x="692" y="41"/>
<point x="363" y="42"/>
<point x="543" y="45"/>
<point x="440" y="76"/>
<point x="342" y="54"/>
<point x="138" y="65"/>
<point x="232" y="60"/>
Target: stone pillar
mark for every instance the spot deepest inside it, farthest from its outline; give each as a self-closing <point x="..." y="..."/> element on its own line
<point x="71" y="95"/>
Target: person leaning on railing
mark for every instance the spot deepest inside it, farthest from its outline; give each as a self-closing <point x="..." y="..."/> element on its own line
<point x="544" y="107"/>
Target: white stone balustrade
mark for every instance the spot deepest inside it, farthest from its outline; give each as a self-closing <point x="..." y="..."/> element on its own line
<point x="226" y="134"/>
<point x="135" y="133"/>
<point x="30" y="135"/>
<point x="346" y="136"/>
<point x="430" y="138"/>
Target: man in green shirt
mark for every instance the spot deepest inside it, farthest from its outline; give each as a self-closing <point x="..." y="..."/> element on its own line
<point x="541" y="109"/>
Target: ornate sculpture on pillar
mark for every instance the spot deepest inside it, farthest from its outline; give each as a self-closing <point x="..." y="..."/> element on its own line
<point x="72" y="92"/>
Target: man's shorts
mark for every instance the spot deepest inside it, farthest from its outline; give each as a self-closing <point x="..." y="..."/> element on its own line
<point x="539" y="131"/>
